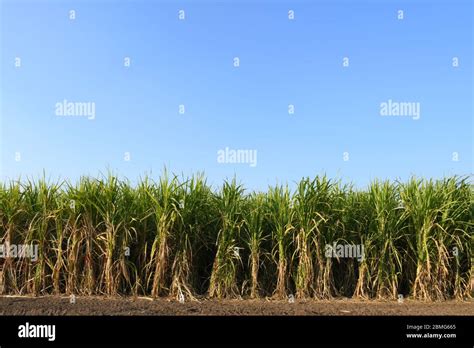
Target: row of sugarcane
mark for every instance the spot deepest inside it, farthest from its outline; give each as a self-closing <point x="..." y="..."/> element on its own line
<point x="180" y="237"/>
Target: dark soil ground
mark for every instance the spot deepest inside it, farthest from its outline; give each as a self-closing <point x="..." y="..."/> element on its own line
<point x="55" y="305"/>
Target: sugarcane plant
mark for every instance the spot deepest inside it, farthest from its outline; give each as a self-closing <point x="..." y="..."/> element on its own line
<point x="230" y="205"/>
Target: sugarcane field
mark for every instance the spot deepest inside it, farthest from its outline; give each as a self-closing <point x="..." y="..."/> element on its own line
<point x="178" y="243"/>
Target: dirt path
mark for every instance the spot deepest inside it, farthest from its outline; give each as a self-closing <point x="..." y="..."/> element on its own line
<point x="53" y="305"/>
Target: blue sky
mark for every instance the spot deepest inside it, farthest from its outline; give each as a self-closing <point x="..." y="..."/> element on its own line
<point x="190" y="62"/>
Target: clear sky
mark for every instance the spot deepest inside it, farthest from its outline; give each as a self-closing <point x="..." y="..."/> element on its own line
<point x="47" y="57"/>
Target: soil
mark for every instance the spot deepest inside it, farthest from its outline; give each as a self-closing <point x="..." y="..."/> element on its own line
<point x="56" y="305"/>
